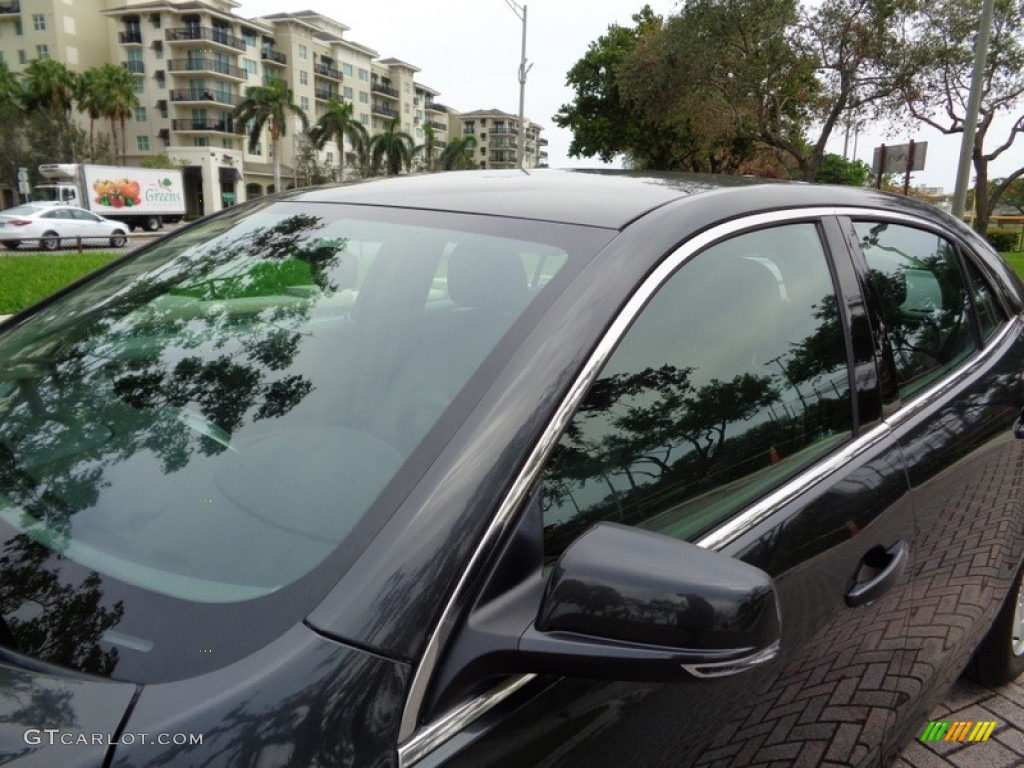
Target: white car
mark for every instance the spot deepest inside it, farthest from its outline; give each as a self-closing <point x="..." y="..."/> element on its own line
<point x="51" y="226"/>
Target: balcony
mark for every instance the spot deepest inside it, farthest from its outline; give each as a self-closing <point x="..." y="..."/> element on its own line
<point x="434" y="106"/>
<point x="271" y="56"/>
<point x="130" y="37"/>
<point x="326" y="70"/>
<point x="11" y="6"/>
<point x="204" y="34"/>
<point x="501" y="130"/>
<point x="135" y="67"/>
<point x="207" y="64"/>
<point x="437" y="126"/>
<point x="381" y="109"/>
<point x="204" y="125"/>
<point x="184" y="95"/>
<point x="325" y="93"/>
<point x="387" y="90"/>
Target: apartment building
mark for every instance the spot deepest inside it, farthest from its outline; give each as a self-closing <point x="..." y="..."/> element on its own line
<point x="498" y="138"/>
<point x="193" y="60"/>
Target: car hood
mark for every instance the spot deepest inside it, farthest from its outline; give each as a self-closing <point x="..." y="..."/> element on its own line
<point x="50" y="720"/>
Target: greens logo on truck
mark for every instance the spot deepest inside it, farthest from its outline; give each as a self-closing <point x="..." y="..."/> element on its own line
<point x="128" y="193"/>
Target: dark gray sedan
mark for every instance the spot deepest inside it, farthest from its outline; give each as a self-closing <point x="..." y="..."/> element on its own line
<point x="514" y="469"/>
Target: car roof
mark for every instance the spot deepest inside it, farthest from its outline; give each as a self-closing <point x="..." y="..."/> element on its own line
<point x="591" y="197"/>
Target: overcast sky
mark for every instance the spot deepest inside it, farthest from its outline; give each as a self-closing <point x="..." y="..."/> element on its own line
<point x="469" y="51"/>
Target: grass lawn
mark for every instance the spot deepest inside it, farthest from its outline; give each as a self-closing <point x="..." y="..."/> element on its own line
<point x="1015" y="260"/>
<point x="25" y="278"/>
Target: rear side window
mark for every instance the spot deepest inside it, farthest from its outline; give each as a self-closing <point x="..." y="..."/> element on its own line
<point x="925" y="302"/>
<point x="731" y="380"/>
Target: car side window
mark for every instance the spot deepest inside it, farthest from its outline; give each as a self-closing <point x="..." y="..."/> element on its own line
<point x="924" y="301"/>
<point x="732" y="379"/>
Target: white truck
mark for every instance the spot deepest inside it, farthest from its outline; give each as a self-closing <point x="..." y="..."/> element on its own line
<point x="140" y="197"/>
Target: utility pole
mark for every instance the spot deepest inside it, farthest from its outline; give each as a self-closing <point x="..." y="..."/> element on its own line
<point x="520" y="12"/>
<point x="963" y="171"/>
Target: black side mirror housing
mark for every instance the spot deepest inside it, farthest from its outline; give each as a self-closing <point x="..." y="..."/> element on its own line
<point x="621" y="603"/>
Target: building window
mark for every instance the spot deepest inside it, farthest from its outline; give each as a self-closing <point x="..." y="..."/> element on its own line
<point x="228" y="143"/>
<point x="17" y="27"/>
<point x="161" y="82"/>
<point x="140" y="114"/>
<point x="406" y="108"/>
<point x="364" y="119"/>
<point x="250" y="66"/>
<point x="303" y="78"/>
<point x="348" y="93"/>
<point x="38" y="22"/>
<point x="364" y="74"/>
<point x="143" y="143"/>
<point x="140" y="85"/>
<point x="303" y="53"/>
<point x="259" y="149"/>
<point x="21" y="57"/>
<point x="200" y="142"/>
<point x="42" y="51"/>
<point x="154" y="19"/>
<point x="330" y="157"/>
<point x="346" y="70"/>
<point x="304" y="103"/>
<point x="406" y="87"/>
<point x="158" y="49"/>
<point x="249" y="37"/>
<point x="364" y="97"/>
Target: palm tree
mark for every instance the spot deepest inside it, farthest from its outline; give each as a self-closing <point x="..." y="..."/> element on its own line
<point x="87" y="94"/>
<point x="11" y="93"/>
<point x="337" y="123"/>
<point x="48" y="83"/>
<point x="115" y="98"/>
<point x="458" y="155"/>
<point x="267" y="106"/>
<point x="428" y="148"/>
<point x="394" y="145"/>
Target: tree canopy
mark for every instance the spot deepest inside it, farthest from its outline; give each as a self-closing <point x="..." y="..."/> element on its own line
<point x="760" y="86"/>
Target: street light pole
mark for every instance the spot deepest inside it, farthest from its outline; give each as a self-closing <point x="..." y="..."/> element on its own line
<point x="520" y="12"/>
<point x="963" y="170"/>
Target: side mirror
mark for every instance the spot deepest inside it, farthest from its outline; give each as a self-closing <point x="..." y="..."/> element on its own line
<point x="622" y="604"/>
<point x="635" y="605"/>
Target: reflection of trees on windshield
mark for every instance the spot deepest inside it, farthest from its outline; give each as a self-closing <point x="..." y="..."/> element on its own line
<point x="171" y="367"/>
<point x="644" y="443"/>
<point x="52" y="620"/>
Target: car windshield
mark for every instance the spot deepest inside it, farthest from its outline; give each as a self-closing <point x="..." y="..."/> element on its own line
<point x="211" y="422"/>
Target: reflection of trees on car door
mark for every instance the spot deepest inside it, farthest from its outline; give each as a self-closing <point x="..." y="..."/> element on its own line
<point x="719" y="406"/>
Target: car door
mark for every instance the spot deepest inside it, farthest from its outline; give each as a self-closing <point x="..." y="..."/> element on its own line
<point x="955" y="352"/>
<point x="734" y="403"/>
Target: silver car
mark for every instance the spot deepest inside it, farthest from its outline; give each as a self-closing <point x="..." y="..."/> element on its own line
<point x="51" y="226"/>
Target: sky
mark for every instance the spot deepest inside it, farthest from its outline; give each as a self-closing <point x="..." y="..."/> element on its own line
<point x="470" y="53"/>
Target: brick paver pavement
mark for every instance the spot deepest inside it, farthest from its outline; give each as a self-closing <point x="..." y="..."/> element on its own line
<point x="970" y="701"/>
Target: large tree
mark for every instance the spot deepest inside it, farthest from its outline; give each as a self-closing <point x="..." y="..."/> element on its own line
<point x="392" y="147"/>
<point x="601" y="122"/>
<point x="114" y="97"/>
<point x="729" y="85"/>
<point x="49" y="83"/>
<point x="457" y="154"/>
<point x="931" y="58"/>
<point x="337" y="123"/>
<point x="268" y="106"/>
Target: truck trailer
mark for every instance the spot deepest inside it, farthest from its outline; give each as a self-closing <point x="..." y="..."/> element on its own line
<point x="139" y="197"/>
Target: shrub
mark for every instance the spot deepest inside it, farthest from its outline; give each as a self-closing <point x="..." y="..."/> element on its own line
<point x="1003" y="239"/>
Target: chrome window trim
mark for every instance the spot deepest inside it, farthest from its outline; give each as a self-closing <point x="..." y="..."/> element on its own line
<point x="416" y="742"/>
<point x="446" y="726"/>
